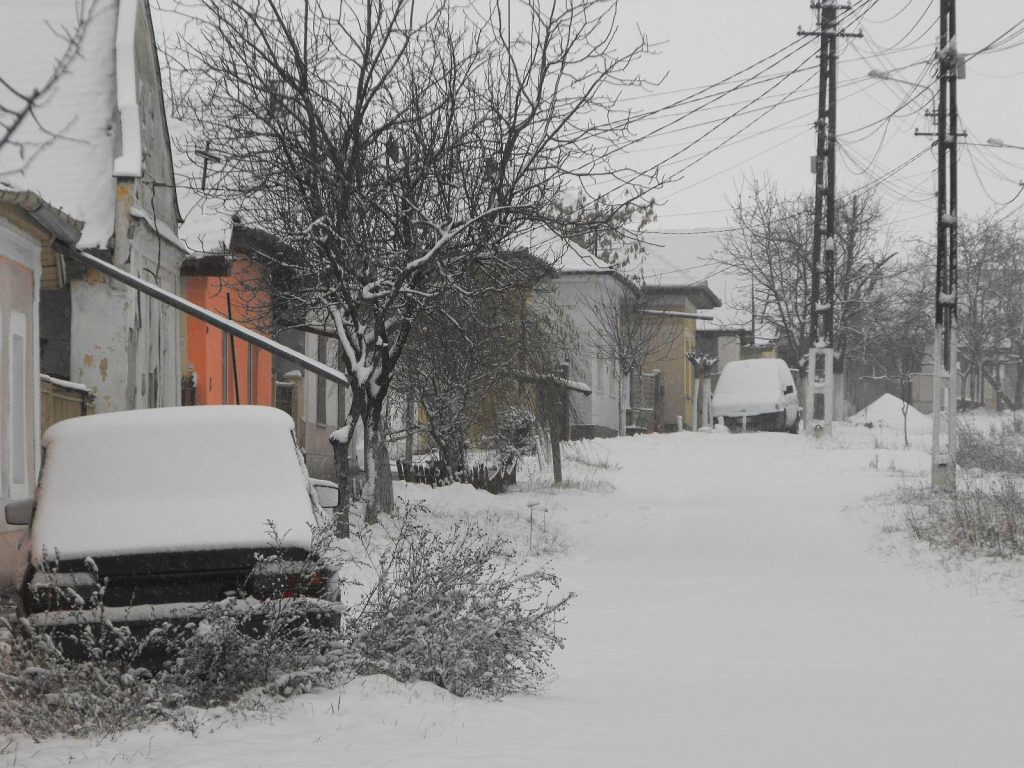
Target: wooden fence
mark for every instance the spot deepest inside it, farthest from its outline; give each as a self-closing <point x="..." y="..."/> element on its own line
<point x="488" y="478"/>
<point x="59" y="400"/>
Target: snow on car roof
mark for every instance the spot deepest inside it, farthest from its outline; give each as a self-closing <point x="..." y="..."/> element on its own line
<point x="171" y="479"/>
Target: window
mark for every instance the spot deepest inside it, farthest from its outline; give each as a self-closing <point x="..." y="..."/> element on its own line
<point x="18" y="406"/>
<point x="321" y="382"/>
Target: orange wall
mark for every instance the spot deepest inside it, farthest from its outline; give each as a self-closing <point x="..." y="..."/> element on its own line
<point x="205" y="353"/>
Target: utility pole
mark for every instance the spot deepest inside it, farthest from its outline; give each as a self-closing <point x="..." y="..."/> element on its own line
<point x="819" y="393"/>
<point x="944" y="364"/>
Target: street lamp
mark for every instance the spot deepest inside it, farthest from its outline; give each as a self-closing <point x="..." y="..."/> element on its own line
<point x="881" y="74"/>
<point x="1001" y="143"/>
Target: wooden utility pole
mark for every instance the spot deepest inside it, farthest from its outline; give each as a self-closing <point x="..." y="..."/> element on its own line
<point x="944" y="364"/>
<point x="820" y="394"/>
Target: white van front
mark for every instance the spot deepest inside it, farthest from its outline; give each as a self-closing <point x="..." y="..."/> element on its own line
<point x="756" y="394"/>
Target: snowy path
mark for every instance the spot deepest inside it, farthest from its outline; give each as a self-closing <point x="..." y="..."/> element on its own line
<point x="734" y="611"/>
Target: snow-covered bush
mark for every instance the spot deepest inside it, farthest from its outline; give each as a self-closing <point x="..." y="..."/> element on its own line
<point x="43" y="693"/>
<point x="241" y="645"/>
<point x="516" y="434"/>
<point x="455" y="609"/>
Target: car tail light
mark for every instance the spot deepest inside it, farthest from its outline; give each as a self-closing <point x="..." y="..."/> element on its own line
<point x="285" y="584"/>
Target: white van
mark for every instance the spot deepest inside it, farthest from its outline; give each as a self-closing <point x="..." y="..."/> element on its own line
<point x="757" y="394"/>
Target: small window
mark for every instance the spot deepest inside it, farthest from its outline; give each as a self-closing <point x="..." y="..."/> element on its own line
<point x="321" y="382"/>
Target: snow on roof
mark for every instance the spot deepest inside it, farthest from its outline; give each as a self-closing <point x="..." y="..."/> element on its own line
<point x="66" y="154"/>
<point x="207" y="220"/>
<point x="688" y="257"/>
<point x="564" y="255"/>
<point x="887" y="411"/>
<point x="129" y="162"/>
<point x="170" y="479"/>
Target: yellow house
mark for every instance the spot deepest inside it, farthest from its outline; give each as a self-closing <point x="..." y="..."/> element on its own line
<point x="674" y="311"/>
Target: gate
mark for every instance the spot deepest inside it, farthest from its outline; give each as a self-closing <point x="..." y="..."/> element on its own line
<point x="644" y="403"/>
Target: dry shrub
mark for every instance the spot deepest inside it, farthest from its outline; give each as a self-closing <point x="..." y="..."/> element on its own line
<point x="979" y="519"/>
<point x="42" y="693"/>
<point x="455" y="609"/>
<point x="1001" y="450"/>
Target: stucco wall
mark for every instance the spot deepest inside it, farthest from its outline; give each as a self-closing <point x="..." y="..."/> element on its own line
<point x="676" y="337"/>
<point x="576" y="295"/>
<point x="19" y="291"/>
<point x="206" y="345"/>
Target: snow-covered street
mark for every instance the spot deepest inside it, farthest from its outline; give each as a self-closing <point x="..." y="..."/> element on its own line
<point x="741" y="603"/>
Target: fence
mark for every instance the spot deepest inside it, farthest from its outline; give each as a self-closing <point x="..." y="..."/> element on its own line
<point x="59" y="400"/>
<point x="488" y="478"/>
<point x="644" y="402"/>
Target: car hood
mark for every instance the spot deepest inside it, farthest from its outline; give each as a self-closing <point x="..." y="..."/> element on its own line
<point x="745" y="403"/>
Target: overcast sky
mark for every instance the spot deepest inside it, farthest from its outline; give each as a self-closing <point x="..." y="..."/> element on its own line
<point x="701" y="43"/>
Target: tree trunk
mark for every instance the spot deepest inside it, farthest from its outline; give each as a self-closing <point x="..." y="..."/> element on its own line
<point x="342" y="521"/>
<point x="622" y="408"/>
<point x="556" y="453"/>
<point x="378" y="493"/>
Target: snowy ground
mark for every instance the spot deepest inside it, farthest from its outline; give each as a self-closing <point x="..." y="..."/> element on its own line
<point x="743" y="601"/>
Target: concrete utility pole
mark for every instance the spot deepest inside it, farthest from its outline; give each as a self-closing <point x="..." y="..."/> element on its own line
<point x="819" y="393"/>
<point x="944" y="364"/>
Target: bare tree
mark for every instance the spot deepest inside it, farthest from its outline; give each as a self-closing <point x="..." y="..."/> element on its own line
<point x="19" y="103"/>
<point x="397" y="149"/>
<point x="898" y="337"/>
<point x="470" y="356"/>
<point x="990" y="315"/>
<point x="771" y="244"/>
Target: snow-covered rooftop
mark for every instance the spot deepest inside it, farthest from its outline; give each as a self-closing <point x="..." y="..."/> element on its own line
<point x="564" y="255"/>
<point x="67" y="152"/>
<point x="207" y="220"/>
<point x="688" y="257"/>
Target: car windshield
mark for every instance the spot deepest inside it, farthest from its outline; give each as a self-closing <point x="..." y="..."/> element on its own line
<point x="749" y="376"/>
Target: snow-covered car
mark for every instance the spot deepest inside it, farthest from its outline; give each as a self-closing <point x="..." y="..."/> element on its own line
<point x="161" y="512"/>
<point x="756" y="394"/>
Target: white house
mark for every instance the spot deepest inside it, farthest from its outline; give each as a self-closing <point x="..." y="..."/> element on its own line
<point x="97" y="148"/>
<point x="579" y="284"/>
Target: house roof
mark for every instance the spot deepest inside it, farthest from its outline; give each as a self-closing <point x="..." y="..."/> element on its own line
<point x="568" y="259"/>
<point x="564" y="256"/>
<point x="66" y="151"/>
<point x="62" y="226"/>
<point x="206" y="220"/>
<point x="699" y="294"/>
<point x="689" y="257"/>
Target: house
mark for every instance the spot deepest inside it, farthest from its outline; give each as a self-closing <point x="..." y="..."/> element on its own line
<point x="220" y="369"/>
<point x="33" y="235"/>
<point x="227" y="265"/>
<point x="97" y="148"/>
<point x="674" y="309"/>
<point x="586" y="292"/>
